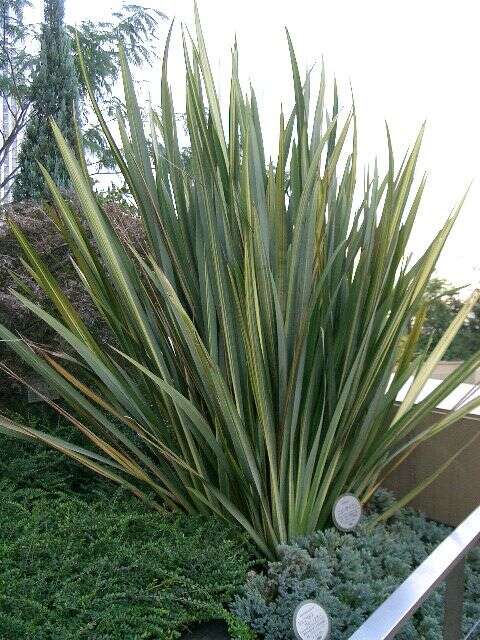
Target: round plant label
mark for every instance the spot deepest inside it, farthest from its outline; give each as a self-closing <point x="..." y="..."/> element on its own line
<point x="346" y="512"/>
<point x="311" y="621"/>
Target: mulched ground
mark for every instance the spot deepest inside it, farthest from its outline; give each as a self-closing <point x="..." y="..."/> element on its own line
<point x="207" y="631"/>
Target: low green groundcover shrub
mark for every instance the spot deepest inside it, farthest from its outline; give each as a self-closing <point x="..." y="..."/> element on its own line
<point x="80" y="559"/>
<point x="351" y="575"/>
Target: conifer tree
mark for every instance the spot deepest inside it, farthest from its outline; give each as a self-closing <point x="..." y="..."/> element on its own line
<point x="54" y="94"/>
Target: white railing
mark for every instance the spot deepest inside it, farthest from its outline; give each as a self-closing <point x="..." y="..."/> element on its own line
<point x="446" y="562"/>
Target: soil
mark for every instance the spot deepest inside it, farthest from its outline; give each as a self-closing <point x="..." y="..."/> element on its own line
<point x="216" y="630"/>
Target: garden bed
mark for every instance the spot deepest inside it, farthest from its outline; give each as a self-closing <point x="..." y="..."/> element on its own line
<point x="352" y="574"/>
<point x="82" y="559"/>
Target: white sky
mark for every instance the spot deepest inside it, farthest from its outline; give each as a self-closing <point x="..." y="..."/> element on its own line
<point x="407" y="61"/>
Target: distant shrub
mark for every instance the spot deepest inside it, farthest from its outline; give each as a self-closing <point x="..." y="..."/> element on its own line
<point x="83" y="560"/>
<point x="31" y="217"/>
<point x="351" y="575"/>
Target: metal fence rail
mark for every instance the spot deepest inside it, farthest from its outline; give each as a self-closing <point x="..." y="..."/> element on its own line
<point x="446" y="562"/>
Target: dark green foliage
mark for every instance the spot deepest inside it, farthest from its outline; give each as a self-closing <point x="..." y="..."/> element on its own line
<point x="137" y="28"/>
<point x="79" y="559"/>
<point x="443" y="305"/>
<point x="42" y="470"/>
<point x="14" y="58"/>
<point x="54" y="94"/>
<point x="15" y="66"/>
<point x="351" y="575"/>
<point x="134" y="25"/>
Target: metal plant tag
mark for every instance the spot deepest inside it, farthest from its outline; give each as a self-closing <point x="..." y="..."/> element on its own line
<point x="311" y="621"/>
<point x="346" y="512"/>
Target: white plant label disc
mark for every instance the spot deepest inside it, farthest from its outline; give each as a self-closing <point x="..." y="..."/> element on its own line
<point x="346" y="512"/>
<point x="311" y="621"/>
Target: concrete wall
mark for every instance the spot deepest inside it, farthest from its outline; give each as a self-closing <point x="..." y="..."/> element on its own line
<point x="456" y="492"/>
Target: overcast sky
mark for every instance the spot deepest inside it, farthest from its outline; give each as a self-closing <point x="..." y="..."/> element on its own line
<point x="407" y="61"/>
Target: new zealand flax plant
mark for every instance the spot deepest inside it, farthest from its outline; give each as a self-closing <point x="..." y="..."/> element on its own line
<point x="261" y="336"/>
